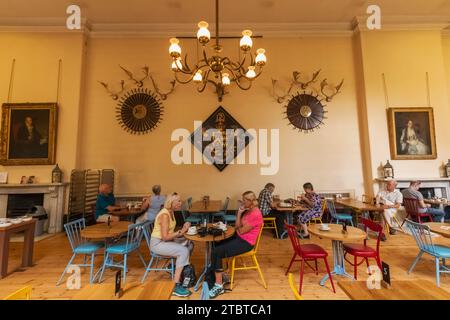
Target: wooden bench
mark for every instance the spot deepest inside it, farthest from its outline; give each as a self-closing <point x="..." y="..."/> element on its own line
<point x="151" y="290"/>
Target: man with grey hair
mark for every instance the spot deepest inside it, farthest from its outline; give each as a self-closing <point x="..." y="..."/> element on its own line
<point x="413" y="193"/>
<point x="105" y="204"/>
<point x="391" y="200"/>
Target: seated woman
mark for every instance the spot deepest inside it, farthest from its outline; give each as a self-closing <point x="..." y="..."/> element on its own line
<point x="166" y="241"/>
<point x="314" y="203"/>
<point x="105" y="204"/>
<point x="249" y="222"/>
<point x="152" y="205"/>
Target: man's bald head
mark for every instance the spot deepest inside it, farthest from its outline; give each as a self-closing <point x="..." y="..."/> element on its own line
<point x="105" y="188"/>
<point x="390" y="185"/>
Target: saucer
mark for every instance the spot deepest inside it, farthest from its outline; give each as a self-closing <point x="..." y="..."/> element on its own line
<point x="16" y="221"/>
<point x="27" y="219"/>
<point x="324" y="229"/>
<point x="191" y="234"/>
<point x="4" y="225"/>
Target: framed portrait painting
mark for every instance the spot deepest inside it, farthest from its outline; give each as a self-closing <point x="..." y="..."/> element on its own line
<point x="411" y="133"/>
<point x="28" y="134"/>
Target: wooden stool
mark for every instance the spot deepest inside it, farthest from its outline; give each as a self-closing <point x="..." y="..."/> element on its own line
<point x="270" y="223"/>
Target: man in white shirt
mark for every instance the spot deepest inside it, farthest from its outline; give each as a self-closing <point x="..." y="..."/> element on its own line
<point x="391" y="200"/>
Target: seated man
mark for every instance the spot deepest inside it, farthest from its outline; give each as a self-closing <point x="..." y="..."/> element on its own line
<point x="413" y="193"/>
<point x="267" y="207"/>
<point x="391" y="200"/>
<point x="105" y="203"/>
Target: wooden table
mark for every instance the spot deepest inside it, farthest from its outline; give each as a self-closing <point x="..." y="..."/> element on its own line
<point x="436" y="228"/>
<point x="128" y="213"/>
<point x="337" y="238"/>
<point x="359" y="206"/>
<point x="28" y="246"/>
<point x="438" y="202"/>
<point x="400" y="290"/>
<point x="289" y="214"/>
<point x="208" y="240"/>
<point x="151" y="290"/>
<point x="103" y="231"/>
<point x="212" y="206"/>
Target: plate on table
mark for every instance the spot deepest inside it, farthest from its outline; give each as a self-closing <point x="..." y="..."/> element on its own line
<point x="191" y="233"/>
<point x="16" y="221"/>
<point x="4" y="225"/>
<point x="27" y="219"/>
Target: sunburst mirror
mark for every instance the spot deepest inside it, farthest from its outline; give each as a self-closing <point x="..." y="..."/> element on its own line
<point x="305" y="112"/>
<point x="139" y="111"/>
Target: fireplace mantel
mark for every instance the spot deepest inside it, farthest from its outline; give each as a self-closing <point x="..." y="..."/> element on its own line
<point x="54" y="197"/>
<point x="441" y="186"/>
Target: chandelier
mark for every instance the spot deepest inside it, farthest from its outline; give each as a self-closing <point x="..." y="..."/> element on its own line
<point x="219" y="71"/>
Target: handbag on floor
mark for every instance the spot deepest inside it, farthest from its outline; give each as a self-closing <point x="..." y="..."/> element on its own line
<point x="188" y="276"/>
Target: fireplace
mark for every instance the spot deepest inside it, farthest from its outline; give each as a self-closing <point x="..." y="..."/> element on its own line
<point x="21" y="204"/>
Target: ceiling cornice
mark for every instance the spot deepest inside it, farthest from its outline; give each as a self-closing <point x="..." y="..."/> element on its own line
<point x="268" y="30"/>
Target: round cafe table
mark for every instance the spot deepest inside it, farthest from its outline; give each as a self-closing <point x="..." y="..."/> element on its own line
<point x="440" y="228"/>
<point x="129" y="214"/>
<point x="337" y="239"/>
<point x="208" y="240"/>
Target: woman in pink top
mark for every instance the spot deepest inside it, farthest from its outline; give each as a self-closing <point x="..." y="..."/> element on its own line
<point x="249" y="222"/>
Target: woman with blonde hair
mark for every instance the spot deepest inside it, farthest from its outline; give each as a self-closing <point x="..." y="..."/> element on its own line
<point x="166" y="241"/>
<point x="249" y="222"/>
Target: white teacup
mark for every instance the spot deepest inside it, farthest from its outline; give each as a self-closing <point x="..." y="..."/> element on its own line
<point x="324" y="226"/>
<point x="192" y="229"/>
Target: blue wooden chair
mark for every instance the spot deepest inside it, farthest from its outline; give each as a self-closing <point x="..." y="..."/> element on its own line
<point x="338" y="216"/>
<point x="192" y="218"/>
<point x="80" y="246"/>
<point x="221" y="214"/>
<point x="132" y="244"/>
<point x="147" y="228"/>
<point x="422" y="235"/>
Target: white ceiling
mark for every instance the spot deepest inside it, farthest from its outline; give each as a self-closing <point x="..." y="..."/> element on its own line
<point x="231" y="11"/>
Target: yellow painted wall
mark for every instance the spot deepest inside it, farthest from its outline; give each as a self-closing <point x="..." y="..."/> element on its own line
<point x="35" y="80"/>
<point x="329" y="158"/>
<point x="405" y="57"/>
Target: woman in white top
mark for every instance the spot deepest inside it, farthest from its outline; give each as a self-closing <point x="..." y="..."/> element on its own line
<point x="410" y="141"/>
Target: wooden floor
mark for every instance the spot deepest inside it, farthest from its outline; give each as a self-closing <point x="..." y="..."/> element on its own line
<point x="52" y="254"/>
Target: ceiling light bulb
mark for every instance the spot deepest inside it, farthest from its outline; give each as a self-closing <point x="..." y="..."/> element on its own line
<point x="174" y="49"/>
<point x="251" y="72"/>
<point x="198" y="76"/>
<point x="261" y="58"/>
<point x="225" y="79"/>
<point x="176" y="64"/>
<point x="246" y="40"/>
<point x="203" y="34"/>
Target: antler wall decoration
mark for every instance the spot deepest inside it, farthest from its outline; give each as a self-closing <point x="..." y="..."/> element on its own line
<point x="305" y="111"/>
<point x="139" y="83"/>
<point x="139" y="110"/>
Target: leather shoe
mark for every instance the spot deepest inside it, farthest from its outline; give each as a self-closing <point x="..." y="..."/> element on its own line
<point x="392" y="231"/>
<point x="383" y="237"/>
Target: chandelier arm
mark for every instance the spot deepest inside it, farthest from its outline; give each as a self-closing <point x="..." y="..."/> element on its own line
<point x="205" y="82"/>
<point x="236" y="78"/>
<point x="205" y="58"/>
<point x="181" y="81"/>
<point x="183" y="66"/>
<point x="188" y="69"/>
<point x="237" y="66"/>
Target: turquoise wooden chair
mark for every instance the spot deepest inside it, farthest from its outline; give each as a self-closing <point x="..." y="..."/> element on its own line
<point x="80" y="246"/>
<point x="422" y="235"/>
<point x="132" y="244"/>
<point x="221" y="214"/>
<point x="192" y="218"/>
<point x="170" y="261"/>
<point x="338" y="216"/>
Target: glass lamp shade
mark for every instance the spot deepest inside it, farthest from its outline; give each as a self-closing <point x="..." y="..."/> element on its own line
<point x="176" y="64"/>
<point x="226" y="79"/>
<point x="251" y="72"/>
<point x="246" y="40"/>
<point x="174" y="49"/>
<point x="388" y="170"/>
<point x="203" y="34"/>
<point x="261" y="58"/>
<point x="198" y="76"/>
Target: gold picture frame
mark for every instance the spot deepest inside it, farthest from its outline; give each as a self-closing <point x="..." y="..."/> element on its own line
<point x="412" y="133"/>
<point x="28" y="134"/>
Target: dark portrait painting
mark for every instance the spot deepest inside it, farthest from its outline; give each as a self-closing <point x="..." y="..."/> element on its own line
<point x="28" y="133"/>
<point x="411" y="133"/>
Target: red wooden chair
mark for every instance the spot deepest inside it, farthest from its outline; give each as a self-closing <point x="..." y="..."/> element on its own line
<point x="306" y="252"/>
<point x="412" y="209"/>
<point x="362" y="250"/>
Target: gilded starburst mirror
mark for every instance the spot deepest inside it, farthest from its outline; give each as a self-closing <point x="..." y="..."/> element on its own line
<point x="305" y="112"/>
